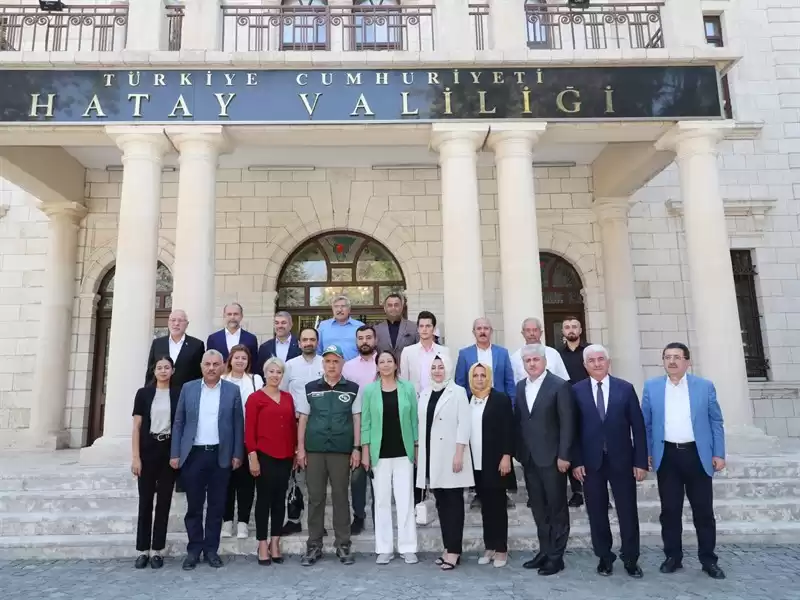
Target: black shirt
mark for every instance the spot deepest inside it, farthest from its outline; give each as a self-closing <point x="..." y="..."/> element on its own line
<point x="573" y="361"/>
<point x="392" y="440"/>
<point x="428" y="426"/>
<point x="394" y="329"/>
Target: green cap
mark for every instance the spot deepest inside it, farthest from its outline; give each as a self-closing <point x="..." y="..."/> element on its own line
<point x="333" y="349"/>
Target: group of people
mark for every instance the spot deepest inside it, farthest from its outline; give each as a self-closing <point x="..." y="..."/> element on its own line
<point x="347" y="403"/>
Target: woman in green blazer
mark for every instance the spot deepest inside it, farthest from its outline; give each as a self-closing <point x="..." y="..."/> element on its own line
<point x="389" y="439"/>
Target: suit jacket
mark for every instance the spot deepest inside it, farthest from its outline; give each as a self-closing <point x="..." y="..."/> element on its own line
<point x="406" y="336"/>
<point x="187" y="366"/>
<point x="497" y="439"/>
<point x="231" y="423"/>
<point x="546" y="433"/>
<point x="452" y="421"/>
<point x="372" y="418"/>
<point x="502" y="371"/>
<point x="217" y="341"/>
<point x="622" y="432"/>
<point x="409" y="362"/>
<point x="267" y="351"/>
<point x="707" y="424"/>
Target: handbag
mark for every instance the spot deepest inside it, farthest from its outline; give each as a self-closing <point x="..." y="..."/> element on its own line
<point x="423" y="512"/>
<point x="294" y="500"/>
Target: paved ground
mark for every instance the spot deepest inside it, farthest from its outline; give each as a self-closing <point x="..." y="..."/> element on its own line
<point x="754" y="573"/>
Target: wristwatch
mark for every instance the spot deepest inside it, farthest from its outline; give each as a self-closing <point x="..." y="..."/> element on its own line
<point x="358" y="448"/>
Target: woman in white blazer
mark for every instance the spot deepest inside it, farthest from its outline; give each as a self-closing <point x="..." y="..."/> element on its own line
<point x="444" y="462"/>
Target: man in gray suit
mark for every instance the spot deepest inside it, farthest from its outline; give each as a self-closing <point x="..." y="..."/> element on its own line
<point x="207" y="442"/>
<point x="395" y="333"/>
<point x="545" y="424"/>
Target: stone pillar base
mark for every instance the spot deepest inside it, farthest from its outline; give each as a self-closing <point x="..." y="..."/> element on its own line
<point x="48" y="441"/>
<point x="747" y="440"/>
<point x="107" y="451"/>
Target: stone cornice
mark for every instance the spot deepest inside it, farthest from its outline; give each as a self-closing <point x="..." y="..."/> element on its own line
<point x="745" y="130"/>
<point x="756" y="208"/>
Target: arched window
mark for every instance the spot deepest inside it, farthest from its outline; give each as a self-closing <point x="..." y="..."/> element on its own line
<point x="304" y="25"/>
<point x="378" y="25"/>
<point x="338" y="263"/>
<point x="561" y="295"/>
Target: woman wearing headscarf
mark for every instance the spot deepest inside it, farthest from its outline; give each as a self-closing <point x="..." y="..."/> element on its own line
<point x="445" y="464"/>
<point x="491" y="446"/>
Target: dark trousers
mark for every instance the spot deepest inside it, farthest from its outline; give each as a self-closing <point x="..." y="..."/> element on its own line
<point x="494" y="515"/>
<point x="682" y="472"/>
<point x="358" y="489"/>
<point x="577" y="487"/>
<point x="547" y="493"/>
<point x="450" y="506"/>
<point x="157" y="479"/>
<point x="272" y="483"/>
<point x="241" y="492"/>
<point x="324" y="467"/>
<point x="623" y="485"/>
<point x="206" y="483"/>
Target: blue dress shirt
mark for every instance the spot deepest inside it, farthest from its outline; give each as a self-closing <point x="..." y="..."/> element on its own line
<point x="341" y="334"/>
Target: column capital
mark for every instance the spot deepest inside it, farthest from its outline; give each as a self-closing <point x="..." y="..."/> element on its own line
<point x="611" y="208"/>
<point x="527" y="133"/>
<point x="211" y="137"/>
<point x="71" y="210"/>
<point x="144" y="141"/>
<point x="449" y="137"/>
<point x="691" y="137"/>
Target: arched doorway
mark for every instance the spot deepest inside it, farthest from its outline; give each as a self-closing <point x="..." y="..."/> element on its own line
<point x="338" y="263"/>
<point x="561" y="296"/>
<point x="102" y="339"/>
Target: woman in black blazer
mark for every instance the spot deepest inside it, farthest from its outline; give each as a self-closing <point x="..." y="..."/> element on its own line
<point x="492" y="445"/>
<point x="153" y="414"/>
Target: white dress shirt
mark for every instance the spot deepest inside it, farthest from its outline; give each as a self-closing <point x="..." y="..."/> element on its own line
<point x="477" y="406"/>
<point x="299" y="372"/>
<point x="175" y="347"/>
<point x="247" y="385"/>
<point x="677" y="413"/>
<point x="532" y="387"/>
<point x="208" y="415"/>
<point x="232" y="339"/>
<point x="282" y="348"/>
<point x="485" y="357"/>
<point x="555" y="364"/>
<point x="605" y="382"/>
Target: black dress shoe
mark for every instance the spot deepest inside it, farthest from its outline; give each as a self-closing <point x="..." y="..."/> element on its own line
<point x="605" y="567"/>
<point x="157" y="561"/>
<point x="551" y="567"/>
<point x="214" y="560"/>
<point x="141" y="561"/>
<point x="536" y="562"/>
<point x="576" y="500"/>
<point x="291" y="527"/>
<point x="634" y="570"/>
<point x="190" y="562"/>
<point x="357" y="527"/>
<point x="713" y="571"/>
<point x="670" y="565"/>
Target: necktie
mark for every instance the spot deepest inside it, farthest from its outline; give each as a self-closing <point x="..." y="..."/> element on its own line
<point x="601" y="401"/>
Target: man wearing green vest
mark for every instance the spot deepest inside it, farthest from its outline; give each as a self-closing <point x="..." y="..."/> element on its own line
<point x="329" y="448"/>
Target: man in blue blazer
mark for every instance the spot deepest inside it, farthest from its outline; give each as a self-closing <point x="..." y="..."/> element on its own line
<point x="611" y="448"/>
<point x="480" y="351"/>
<point x="685" y="446"/>
<point x="233" y="335"/>
<point x="282" y="345"/>
<point x="207" y="443"/>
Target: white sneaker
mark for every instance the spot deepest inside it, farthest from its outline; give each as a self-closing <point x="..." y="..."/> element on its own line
<point x="384" y="559"/>
<point x="241" y="531"/>
<point x="410" y="558"/>
<point x="227" y="529"/>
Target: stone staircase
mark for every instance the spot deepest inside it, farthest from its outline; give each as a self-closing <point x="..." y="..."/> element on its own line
<point x="58" y="508"/>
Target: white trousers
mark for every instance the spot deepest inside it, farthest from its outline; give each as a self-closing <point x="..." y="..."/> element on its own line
<point x="394" y="476"/>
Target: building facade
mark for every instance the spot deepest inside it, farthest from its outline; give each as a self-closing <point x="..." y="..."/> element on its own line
<point x="504" y="158"/>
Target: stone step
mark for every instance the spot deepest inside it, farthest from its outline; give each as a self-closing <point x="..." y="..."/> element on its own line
<point x="125" y="499"/>
<point x="98" y="522"/>
<point x="522" y="540"/>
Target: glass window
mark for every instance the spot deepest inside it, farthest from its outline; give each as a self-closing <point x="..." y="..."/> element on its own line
<point x="375" y="264"/>
<point x="378" y="24"/>
<point x="744" y="280"/>
<point x="308" y="265"/>
<point x="304" y="25"/>
<point x="163" y="289"/>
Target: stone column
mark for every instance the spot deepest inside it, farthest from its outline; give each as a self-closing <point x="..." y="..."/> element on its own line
<point x="195" y="234"/>
<point x="143" y="149"/>
<point x="454" y="33"/>
<point x="718" y="351"/>
<point x="203" y="24"/>
<point x="146" y="25"/>
<point x="520" y="275"/>
<point x="462" y="255"/>
<point x="622" y="309"/>
<point x="47" y="427"/>
<point x="508" y="26"/>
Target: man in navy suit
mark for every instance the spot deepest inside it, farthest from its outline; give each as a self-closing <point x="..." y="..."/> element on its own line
<point x="685" y="446"/>
<point x="283" y="345"/>
<point x="223" y="340"/>
<point x="611" y="448"/>
<point x="207" y="443"/>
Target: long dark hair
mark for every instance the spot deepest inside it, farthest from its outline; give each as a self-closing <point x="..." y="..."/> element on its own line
<point x="394" y="360"/>
<point x="166" y="357"/>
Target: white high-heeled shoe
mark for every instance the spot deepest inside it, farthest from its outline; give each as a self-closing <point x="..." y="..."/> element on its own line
<point x="486" y="558"/>
<point x="500" y="562"/>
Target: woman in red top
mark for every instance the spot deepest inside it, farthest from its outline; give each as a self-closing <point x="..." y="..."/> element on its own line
<point x="270" y="433"/>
